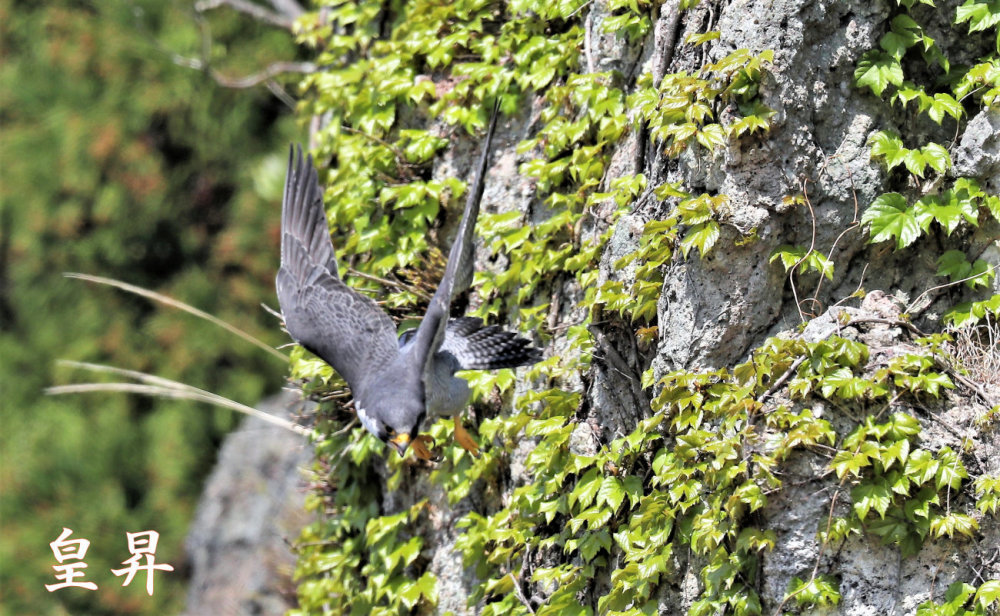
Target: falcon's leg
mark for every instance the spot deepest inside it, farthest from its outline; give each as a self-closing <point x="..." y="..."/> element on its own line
<point x="463" y="438"/>
<point x="420" y="446"/>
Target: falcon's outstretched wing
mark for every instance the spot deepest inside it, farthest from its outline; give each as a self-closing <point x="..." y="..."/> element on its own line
<point x="486" y="348"/>
<point x="458" y="273"/>
<point x="348" y="330"/>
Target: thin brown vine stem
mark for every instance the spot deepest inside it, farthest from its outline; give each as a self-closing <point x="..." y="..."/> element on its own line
<point x="854" y="224"/>
<point x="888" y="405"/>
<point x="384" y="281"/>
<point x="937" y="568"/>
<point x="795" y="293"/>
<point x="812" y="214"/>
<point x="958" y="123"/>
<point x="850" y="180"/>
<point x="829" y="257"/>
<point x="861" y="283"/>
<point x="520" y="593"/>
<point x="812" y="244"/>
<point x="912" y="304"/>
<point x="784" y="377"/>
<point x="971" y="385"/>
<point x="819" y="556"/>
<point x="578" y="9"/>
<point x="895" y="322"/>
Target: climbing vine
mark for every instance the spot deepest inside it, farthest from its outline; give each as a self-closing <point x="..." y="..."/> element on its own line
<point x="936" y="200"/>
<point x="689" y="482"/>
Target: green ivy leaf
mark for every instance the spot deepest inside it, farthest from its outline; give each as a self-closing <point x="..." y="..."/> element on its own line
<point x="948" y="209"/>
<point x="951" y="524"/>
<point x="874" y="494"/>
<point x="921" y="467"/>
<point x="788" y="254"/>
<point x="954" y="265"/>
<point x="951" y="471"/>
<point x="711" y="136"/>
<point x="988" y="594"/>
<point x="611" y="493"/>
<point x="701" y="236"/>
<point x="915" y="162"/>
<point x="988" y="490"/>
<point x="937" y="157"/>
<point x="889" y="217"/>
<point x="586" y="489"/>
<point x="972" y="312"/>
<point x="877" y="70"/>
<point x="887" y="146"/>
<point x="846" y="462"/>
<point x="944" y="104"/>
<point x="980" y="15"/>
<point x="898" y="451"/>
<point x="818" y="591"/>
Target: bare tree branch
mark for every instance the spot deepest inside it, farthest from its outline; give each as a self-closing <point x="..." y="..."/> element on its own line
<point x="256" y="11"/>
<point x="289" y="8"/>
<point x="267" y="74"/>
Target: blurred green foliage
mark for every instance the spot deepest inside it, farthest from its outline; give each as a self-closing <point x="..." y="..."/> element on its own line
<point x="120" y="162"/>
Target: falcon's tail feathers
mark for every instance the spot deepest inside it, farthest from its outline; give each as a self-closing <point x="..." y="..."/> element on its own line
<point x="487" y="348"/>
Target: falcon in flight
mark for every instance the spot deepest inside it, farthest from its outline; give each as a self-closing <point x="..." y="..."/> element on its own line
<point x="395" y="383"/>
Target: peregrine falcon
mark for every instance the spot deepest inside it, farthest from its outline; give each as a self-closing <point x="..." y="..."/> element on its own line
<point x="395" y="383"/>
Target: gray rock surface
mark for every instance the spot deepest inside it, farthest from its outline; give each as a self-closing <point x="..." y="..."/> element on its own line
<point x="874" y="578"/>
<point x="250" y="512"/>
<point x="978" y="152"/>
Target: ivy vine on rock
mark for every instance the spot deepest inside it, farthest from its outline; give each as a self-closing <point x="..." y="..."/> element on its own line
<point x="605" y="530"/>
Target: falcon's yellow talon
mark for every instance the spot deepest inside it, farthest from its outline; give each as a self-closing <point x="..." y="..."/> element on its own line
<point x="464" y="439"/>
<point x="420" y="446"/>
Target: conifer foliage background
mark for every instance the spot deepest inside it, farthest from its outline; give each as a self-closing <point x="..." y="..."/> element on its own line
<point x="115" y="160"/>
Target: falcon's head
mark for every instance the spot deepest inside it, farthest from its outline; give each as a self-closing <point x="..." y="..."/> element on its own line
<point x="402" y="436"/>
<point x="392" y="417"/>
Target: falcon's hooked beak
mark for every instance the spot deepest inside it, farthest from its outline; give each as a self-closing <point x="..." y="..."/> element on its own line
<point x="401" y="442"/>
<point x="418" y="445"/>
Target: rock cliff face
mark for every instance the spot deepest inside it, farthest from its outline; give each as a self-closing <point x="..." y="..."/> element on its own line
<point x="713" y="311"/>
<point x="252" y="508"/>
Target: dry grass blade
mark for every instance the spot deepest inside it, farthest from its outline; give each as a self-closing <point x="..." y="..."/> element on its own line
<point x="173" y="303"/>
<point x="977" y="350"/>
<point x="151" y="385"/>
<point x="143" y="377"/>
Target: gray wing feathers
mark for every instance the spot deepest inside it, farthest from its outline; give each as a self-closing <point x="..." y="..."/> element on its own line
<point x="486" y="348"/>
<point x="303" y="221"/>
<point x="345" y="328"/>
<point x="463" y="250"/>
<point x="460" y="262"/>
